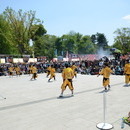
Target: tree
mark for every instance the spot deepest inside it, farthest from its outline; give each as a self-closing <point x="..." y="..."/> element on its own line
<point x="75" y="43"/>
<point x="21" y="25"/>
<point x="86" y="46"/>
<point x="45" y="46"/>
<point x="68" y="43"/>
<point x="122" y="40"/>
<point x="93" y="38"/>
<point x="101" y="41"/>
<point x="37" y="31"/>
<point x="58" y="46"/>
<point x="6" y="39"/>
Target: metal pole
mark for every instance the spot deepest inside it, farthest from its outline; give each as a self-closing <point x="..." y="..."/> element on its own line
<point x="104" y="125"/>
<point x="104" y="107"/>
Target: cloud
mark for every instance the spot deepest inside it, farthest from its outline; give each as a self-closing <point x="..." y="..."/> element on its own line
<point x="127" y="17"/>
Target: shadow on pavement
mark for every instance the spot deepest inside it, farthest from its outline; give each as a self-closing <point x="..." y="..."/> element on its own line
<point x="48" y="99"/>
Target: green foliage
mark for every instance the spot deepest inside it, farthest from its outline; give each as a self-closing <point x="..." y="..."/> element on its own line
<point x="17" y="28"/>
<point x="75" y="43"/>
<point x="93" y="39"/>
<point x="86" y="46"/>
<point x="122" y="40"/>
<point x="101" y="40"/>
<point x="21" y="27"/>
<point x="58" y="46"/>
<point x="6" y="39"/>
<point x="37" y="31"/>
<point x="45" y="46"/>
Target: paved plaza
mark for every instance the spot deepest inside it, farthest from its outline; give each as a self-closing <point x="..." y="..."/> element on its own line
<point x="34" y="105"/>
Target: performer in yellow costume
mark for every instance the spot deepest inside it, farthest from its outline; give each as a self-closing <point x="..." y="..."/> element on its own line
<point x="34" y="72"/>
<point x="127" y="73"/>
<point x="106" y="71"/>
<point x="67" y="75"/>
<point x="18" y="71"/>
<point x="52" y="73"/>
<point x="11" y="70"/>
<point x="48" y="71"/>
<point x="30" y="69"/>
<point x="74" y="67"/>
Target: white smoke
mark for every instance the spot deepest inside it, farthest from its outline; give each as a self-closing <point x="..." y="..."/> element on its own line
<point x="101" y="53"/>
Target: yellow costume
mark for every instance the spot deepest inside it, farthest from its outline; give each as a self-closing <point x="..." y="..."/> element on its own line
<point x="52" y="73"/>
<point x="11" y="69"/>
<point x="34" y="72"/>
<point x="67" y="75"/>
<point x="106" y="71"/>
<point x="74" y="70"/>
<point x="17" y="69"/>
<point x="30" y="69"/>
<point x="48" y="71"/>
<point x="127" y="73"/>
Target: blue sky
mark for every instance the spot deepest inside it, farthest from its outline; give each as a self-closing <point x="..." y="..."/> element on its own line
<point x="84" y="16"/>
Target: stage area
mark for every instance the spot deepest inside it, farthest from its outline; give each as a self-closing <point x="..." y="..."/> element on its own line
<point x="34" y="105"/>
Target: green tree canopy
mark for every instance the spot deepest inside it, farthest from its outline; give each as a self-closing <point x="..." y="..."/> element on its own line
<point x="122" y="40"/>
<point x="6" y="39"/>
<point x="101" y="40"/>
<point x="21" y="24"/>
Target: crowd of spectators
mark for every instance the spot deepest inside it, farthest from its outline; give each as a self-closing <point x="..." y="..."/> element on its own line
<point x="83" y="67"/>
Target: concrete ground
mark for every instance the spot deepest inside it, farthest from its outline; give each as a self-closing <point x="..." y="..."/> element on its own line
<point x="34" y="105"/>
